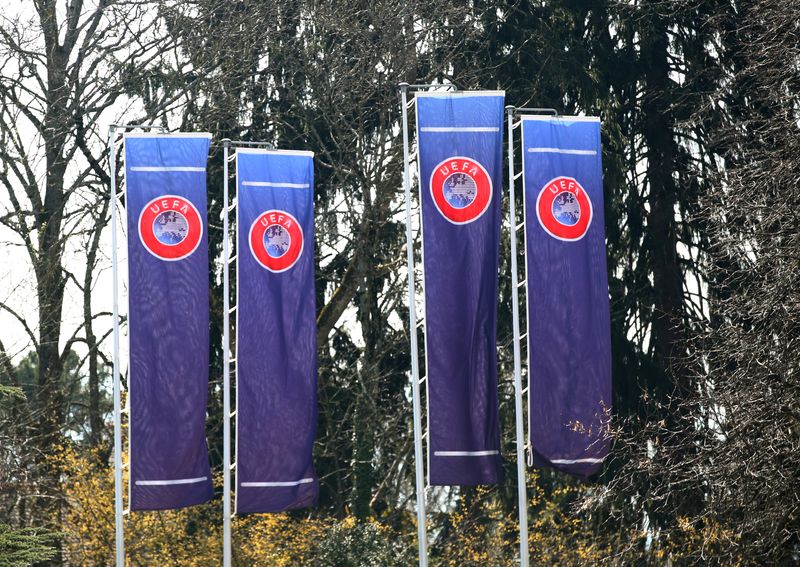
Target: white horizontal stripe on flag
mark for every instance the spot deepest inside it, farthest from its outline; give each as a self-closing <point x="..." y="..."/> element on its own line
<point x="456" y="94"/>
<point x="169" y="482"/>
<point x="465" y="453"/>
<point x="305" y="153"/>
<point x="563" y="151"/>
<point x="166" y="135"/>
<point x="284" y="483"/>
<point x="459" y="129"/>
<point x="575" y="461"/>
<point x="567" y="119"/>
<point x="169" y="168"/>
<point x="275" y="184"/>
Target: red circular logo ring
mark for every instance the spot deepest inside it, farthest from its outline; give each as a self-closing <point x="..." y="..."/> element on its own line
<point x="564" y="209"/>
<point x="276" y="240"/>
<point x="461" y="189"/>
<point x="170" y="228"/>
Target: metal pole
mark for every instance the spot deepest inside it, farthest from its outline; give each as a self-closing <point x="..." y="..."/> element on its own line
<point x="267" y="145"/>
<point x="226" y="372"/>
<point x="118" y="520"/>
<point x="422" y="530"/>
<point x="522" y="494"/>
<point x="142" y="126"/>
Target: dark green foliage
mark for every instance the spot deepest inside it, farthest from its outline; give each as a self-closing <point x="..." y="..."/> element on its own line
<point x="363" y="544"/>
<point x="24" y="546"/>
<point x="11" y="392"/>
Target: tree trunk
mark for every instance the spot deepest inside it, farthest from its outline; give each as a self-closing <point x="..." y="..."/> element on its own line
<point x="95" y="412"/>
<point x="667" y="329"/>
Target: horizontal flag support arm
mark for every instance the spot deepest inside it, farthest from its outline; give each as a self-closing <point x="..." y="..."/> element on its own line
<point x="114" y="128"/>
<point x="228" y="142"/>
<point x="130" y="126"/>
<point x="531" y="110"/>
<point x="420" y="86"/>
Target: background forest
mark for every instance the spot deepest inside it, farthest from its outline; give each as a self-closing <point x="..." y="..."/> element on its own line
<point x="700" y="109"/>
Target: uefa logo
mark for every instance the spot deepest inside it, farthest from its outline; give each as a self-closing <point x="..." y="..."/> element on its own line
<point x="564" y="209"/>
<point x="461" y="189"/>
<point x="276" y="240"/>
<point x="170" y="228"/>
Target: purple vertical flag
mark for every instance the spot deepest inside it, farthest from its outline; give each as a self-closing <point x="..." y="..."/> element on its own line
<point x="460" y="140"/>
<point x="165" y="179"/>
<point x="569" y="330"/>
<point x="276" y="335"/>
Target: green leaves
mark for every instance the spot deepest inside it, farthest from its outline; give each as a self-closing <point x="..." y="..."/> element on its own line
<point x="21" y="547"/>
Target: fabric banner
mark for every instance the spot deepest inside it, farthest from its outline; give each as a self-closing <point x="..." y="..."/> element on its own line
<point x="460" y="141"/>
<point x="276" y="337"/>
<point x="569" y="329"/>
<point x="165" y="177"/>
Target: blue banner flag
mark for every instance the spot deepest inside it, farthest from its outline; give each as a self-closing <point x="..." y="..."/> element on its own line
<point x="460" y="141"/>
<point x="569" y="329"/>
<point x="276" y="338"/>
<point x="165" y="178"/>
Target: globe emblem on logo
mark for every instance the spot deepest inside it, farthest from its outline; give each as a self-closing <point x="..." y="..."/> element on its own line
<point x="170" y="228"/>
<point x="564" y="209"/>
<point x="276" y="240"/>
<point x="461" y="189"/>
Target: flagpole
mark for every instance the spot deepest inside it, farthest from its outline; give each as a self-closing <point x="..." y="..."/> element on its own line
<point x="119" y="510"/>
<point x="119" y="535"/>
<point x="226" y="371"/>
<point x="518" y="111"/>
<point x="522" y="494"/>
<point x="422" y="530"/>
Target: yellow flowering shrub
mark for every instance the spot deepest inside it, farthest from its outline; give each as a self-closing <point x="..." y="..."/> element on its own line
<point x="187" y="537"/>
<point x="486" y="535"/>
<point x="276" y="539"/>
<point x="480" y="532"/>
<point x="192" y="537"/>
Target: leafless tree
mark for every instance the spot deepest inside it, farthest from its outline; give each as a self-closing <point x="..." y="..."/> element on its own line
<point x="67" y="70"/>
